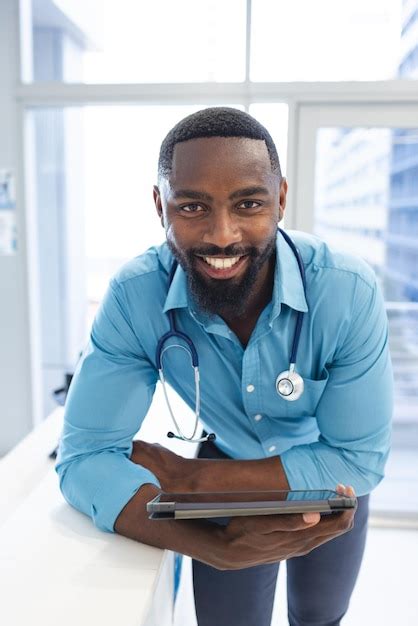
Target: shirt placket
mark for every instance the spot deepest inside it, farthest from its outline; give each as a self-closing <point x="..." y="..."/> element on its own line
<point x="252" y="395"/>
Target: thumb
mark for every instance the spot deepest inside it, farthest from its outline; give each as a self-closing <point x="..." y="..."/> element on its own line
<point x="311" y="518"/>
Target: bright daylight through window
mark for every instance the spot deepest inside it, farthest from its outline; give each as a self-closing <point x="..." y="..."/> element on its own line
<point x="95" y="157"/>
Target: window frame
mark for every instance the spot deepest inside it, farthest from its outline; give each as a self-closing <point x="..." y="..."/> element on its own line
<point x="309" y="104"/>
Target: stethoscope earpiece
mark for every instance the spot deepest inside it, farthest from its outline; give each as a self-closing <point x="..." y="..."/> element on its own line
<point x="210" y="437"/>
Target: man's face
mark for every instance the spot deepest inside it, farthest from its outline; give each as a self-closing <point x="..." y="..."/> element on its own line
<point x="220" y="207"/>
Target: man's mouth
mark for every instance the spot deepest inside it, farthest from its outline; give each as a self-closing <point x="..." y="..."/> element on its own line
<point x="222" y="267"/>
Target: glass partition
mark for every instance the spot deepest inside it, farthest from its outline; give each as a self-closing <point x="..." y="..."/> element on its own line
<point x="366" y="202"/>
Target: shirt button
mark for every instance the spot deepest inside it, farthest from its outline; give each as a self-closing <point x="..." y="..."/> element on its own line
<point x="272" y="448"/>
<point x="258" y="417"/>
<point x="250" y="388"/>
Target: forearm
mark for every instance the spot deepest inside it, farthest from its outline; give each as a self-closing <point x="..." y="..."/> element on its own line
<point x="176" y="473"/>
<point x="230" y="475"/>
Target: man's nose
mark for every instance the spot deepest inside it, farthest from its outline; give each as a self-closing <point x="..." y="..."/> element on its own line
<point x="222" y="230"/>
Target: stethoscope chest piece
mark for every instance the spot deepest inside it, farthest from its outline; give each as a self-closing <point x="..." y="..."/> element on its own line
<point x="289" y="384"/>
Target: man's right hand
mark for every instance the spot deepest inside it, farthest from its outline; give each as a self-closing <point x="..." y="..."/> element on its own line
<point x="245" y="542"/>
<point x="249" y="541"/>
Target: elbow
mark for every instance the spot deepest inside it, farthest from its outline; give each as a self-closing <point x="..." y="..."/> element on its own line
<point x="368" y="472"/>
<point x="74" y="485"/>
<point x="63" y="471"/>
<point x="365" y="482"/>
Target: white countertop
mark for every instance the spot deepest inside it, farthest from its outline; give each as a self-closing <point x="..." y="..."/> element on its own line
<point x="56" y="566"/>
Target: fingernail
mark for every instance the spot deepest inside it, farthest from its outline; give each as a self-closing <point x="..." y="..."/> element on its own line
<point x="311" y="518"/>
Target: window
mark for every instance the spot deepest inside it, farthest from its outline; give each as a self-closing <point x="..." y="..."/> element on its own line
<point x="376" y="216"/>
<point x="96" y="141"/>
<point x="113" y="41"/>
<point x="325" y="40"/>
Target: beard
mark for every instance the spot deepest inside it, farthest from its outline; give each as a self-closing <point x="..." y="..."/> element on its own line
<point x="230" y="296"/>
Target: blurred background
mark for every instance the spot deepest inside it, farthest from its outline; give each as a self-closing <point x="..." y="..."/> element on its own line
<point x="90" y="88"/>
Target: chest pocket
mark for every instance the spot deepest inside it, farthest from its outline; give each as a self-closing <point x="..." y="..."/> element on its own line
<point x="305" y="406"/>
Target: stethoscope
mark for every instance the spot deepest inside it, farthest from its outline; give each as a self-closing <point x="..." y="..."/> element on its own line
<point x="289" y="384"/>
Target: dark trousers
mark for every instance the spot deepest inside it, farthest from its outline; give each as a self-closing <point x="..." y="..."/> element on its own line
<point x="319" y="584"/>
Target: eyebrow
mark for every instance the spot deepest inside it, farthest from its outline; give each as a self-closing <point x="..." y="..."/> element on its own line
<point x="249" y="191"/>
<point x="239" y="193"/>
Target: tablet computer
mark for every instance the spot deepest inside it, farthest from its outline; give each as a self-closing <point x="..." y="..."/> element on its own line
<point x="232" y="504"/>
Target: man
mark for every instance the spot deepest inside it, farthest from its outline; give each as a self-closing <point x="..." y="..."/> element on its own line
<point x="236" y="293"/>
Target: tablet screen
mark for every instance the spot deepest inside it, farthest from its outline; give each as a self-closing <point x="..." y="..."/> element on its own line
<point x="248" y="496"/>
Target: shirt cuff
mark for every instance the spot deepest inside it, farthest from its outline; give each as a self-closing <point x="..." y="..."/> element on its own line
<point x="102" y="484"/>
<point x="301" y="470"/>
<point x="124" y="479"/>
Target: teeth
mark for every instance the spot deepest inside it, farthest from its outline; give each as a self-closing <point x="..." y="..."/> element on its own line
<point x="222" y="264"/>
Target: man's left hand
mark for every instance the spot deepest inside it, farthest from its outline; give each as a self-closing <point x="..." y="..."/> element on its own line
<point x="172" y="470"/>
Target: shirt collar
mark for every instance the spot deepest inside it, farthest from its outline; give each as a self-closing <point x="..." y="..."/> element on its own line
<point x="177" y="296"/>
<point x="288" y="285"/>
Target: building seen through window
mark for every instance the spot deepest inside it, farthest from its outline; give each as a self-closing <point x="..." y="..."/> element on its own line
<point x="367" y="203"/>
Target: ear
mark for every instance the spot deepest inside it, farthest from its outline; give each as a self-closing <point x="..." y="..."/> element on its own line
<point x="158" y="204"/>
<point x="282" y="198"/>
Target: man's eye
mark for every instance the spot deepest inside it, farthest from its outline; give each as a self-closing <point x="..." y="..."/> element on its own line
<point x="191" y="208"/>
<point x="249" y="204"/>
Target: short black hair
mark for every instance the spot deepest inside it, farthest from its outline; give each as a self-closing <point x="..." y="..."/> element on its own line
<point x="215" y="122"/>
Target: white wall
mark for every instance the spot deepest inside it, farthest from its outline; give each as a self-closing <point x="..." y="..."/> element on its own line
<point x="18" y="406"/>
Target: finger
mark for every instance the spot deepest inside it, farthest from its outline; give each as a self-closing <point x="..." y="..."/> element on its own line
<point x="319" y="540"/>
<point x="346" y="491"/>
<point x="335" y="523"/>
<point x="311" y="518"/>
<point x="297" y="543"/>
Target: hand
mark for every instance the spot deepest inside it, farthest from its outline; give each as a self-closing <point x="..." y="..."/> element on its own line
<point x="248" y="541"/>
<point x="169" y="468"/>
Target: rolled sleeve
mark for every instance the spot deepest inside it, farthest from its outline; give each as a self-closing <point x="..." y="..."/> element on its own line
<point x="109" y="396"/>
<point x="355" y="410"/>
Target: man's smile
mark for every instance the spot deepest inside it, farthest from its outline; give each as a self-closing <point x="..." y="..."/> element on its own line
<point x="222" y="267"/>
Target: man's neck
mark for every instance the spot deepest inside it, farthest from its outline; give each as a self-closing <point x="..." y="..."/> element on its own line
<point x="244" y="324"/>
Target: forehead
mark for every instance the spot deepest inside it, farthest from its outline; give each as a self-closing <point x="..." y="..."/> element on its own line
<point x="200" y="161"/>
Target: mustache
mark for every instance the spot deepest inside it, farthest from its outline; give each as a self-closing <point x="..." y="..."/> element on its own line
<point x="231" y="250"/>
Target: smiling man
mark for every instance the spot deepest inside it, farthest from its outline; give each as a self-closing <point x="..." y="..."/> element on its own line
<point x="233" y="285"/>
<point x="229" y="265"/>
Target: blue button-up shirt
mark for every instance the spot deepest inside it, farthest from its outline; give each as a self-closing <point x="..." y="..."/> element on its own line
<point x="338" y="431"/>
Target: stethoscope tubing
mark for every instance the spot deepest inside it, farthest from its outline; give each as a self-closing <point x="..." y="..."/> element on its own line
<point x="290" y="376"/>
<point x="300" y="314"/>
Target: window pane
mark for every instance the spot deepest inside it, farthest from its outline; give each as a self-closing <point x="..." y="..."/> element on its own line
<point x="275" y="118"/>
<point x="328" y="40"/>
<point x="121" y="146"/>
<point x="94" y="169"/>
<point x="366" y="202"/>
<point x="118" y="41"/>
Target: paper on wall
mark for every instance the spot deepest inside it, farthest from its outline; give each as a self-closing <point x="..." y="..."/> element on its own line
<point x="8" y="244"/>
